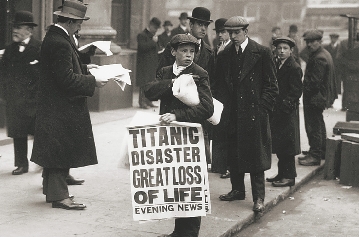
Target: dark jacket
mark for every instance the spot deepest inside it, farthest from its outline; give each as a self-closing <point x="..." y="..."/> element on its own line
<point x="19" y="76"/>
<point x="319" y="88"/>
<point x="163" y="40"/>
<point x="285" y="118"/>
<point x="202" y="58"/>
<point x="161" y="89"/>
<point x="178" y="30"/>
<point x="251" y="100"/>
<point x="147" y="58"/>
<point x="63" y="133"/>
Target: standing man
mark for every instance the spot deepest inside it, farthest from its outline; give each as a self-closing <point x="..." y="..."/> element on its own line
<point x="219" y="142"/>
<point x="19" y="70"/>
<point x="182" y="28"/>
<point x="147" y="59"/>
<point x="334" y="49"/>
<point x="319" y="93"/>
<point x="63" y="133"/>
<point x="165" y="37"/>
<point x="247" y="88"/>
<point x="285" y="118"/>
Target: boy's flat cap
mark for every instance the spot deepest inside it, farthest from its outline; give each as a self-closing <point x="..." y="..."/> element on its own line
<point x="236" y="23"/>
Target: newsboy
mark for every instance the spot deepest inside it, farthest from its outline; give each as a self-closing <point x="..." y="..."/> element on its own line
<point x="246" y="84"/>
<point x="19" y="76"/>
<point x="63" y="132"/>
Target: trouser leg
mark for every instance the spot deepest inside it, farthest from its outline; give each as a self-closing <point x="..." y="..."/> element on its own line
<point x="315" y="129"/>
<point x="188" y="227"/>
<point x="219" y="156"/>
<point x="258" y="186"/>
<point x="286" y="166"/>
<point x="20" y="150"/>
<point x="54" y="182"/>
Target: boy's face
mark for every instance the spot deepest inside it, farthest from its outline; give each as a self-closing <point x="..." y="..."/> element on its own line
<point x="284" y="51"/>
<point x="184" y="54"/>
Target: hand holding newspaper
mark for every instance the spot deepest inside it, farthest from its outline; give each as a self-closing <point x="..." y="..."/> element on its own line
<point x="113" y="71"/>
<point x="104" y="46"/>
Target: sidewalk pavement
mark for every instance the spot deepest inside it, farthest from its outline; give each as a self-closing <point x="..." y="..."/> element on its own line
<point x="106" y="191"/>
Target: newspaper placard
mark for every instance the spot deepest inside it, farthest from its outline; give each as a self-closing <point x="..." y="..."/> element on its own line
<point x="168" y="171"/>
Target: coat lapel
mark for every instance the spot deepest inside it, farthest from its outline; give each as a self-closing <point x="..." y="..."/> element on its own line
<point x="251" y="56"/>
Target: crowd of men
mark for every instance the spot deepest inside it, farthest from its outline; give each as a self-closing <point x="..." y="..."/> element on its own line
<point x="259" y="87"/>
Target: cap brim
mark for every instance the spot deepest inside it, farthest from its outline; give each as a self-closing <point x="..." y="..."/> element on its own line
<point x="209" y="21"/>
<point x="60" y="13"/>
<point x="235" y="28"/>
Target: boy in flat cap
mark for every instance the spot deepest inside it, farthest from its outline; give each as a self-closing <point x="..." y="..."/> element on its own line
<point x="183" y="49"/>
<point x="19" y="76"/>
<point x="246" y="84"/>
<point x="319" y="93"/>
<point x="285" y="117"/>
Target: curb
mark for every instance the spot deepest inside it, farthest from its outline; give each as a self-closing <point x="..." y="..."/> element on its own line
<point x="237" y="228"/>
<point x="6" y="141"/>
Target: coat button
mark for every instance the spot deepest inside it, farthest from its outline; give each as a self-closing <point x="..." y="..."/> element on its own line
<point x="252" y="105"/>
<point x="253" y="92"/>
<point x="251" y="78"/>
<point x="253" y="117"/>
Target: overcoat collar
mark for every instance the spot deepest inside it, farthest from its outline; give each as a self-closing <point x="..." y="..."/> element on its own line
<point x="62" y="33"/>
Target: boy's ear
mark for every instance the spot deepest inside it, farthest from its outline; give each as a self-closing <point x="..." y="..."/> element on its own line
<point x="173" y="51"/>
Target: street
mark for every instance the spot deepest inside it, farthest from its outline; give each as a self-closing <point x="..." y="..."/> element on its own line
<point x="319" y="208"/>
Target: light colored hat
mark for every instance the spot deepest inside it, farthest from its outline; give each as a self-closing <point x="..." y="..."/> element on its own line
<point x="73" y="10"/>
<point x="236" y="23"/>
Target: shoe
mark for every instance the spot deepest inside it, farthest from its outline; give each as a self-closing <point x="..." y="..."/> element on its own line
<point x="72" y="181"/>
<point x="258" y="205"/>
<point x="20" y="170"/>
<point x="173" y="234"/>
<point x="284" y="183"/>
<point x="225" y="175"/>
<point x="309" y="161"/>
<point x="233" y="195"/>
<point x="68" y="204"/>
<point x="71" y="197"/>
<point x="150" y="104"/>
<point x="275" y="178"/>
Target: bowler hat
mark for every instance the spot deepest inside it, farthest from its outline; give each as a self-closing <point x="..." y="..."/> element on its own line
<point x="73" y="10"/>
<point x="167" y="23"/>
<point x="201" y="14"/>
<point x="184" y="39"/>
<point x="236" y="23"/>
<point x="24" y="18"/>
<point x="155" y="21"/>
<point x="334" y="35"/>
<point x="219" y="24"/>
<point x="293" y="28"/>
<point x="313" y="34"/>
<point x="183" y="15"/>
<point x="285" y="40"/>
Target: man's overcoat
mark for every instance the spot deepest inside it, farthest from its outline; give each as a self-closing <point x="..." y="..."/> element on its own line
<point x="319" y="87"/>
<point x="285" y="118"/>
<point x="63" y="132"/>
<point x="251" y="96"/>
<point x="19" y="77"/>
<point x="147" y="58"/>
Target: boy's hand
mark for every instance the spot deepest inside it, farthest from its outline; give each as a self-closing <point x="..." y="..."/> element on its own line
<point x="167" y="118"/>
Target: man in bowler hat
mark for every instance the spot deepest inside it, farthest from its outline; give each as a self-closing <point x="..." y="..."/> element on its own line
<point x="147" y="59"/>
<point x="19" y="68"/>
<point x="182" y="27"/>
<point x="165" y="37"/>
<point x="63" y="132"/>
<point x="246" y="84"/>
